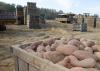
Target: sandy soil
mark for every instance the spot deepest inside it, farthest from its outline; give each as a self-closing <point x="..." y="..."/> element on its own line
<point x="21" y="34"/>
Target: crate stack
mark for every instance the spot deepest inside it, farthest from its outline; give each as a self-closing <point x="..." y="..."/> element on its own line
<point x="19" y="15"/>
<point x="7" y="17"/>
<point x="33" y="16"/>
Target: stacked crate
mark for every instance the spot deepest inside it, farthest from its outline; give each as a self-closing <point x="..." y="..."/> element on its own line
<point x="98" y="23"/>
<point x="32" y="16"/>
<point x="7" y="17"/>
<point x="19" y="15"/>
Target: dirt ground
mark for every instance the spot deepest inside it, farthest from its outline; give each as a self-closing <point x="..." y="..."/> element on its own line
<point x="21" y="34"/>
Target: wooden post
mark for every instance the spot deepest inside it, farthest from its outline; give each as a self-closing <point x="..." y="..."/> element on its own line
<point x="83" y="25"/>
<point x="95" y="19"/>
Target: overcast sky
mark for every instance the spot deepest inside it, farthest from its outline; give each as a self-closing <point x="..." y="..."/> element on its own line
<point x="75" y="6"/>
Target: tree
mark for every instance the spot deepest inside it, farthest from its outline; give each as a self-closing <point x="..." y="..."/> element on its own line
<point x="60" y="12"/>
<point x="48" y="13"/>
<point x="7" y="7"/>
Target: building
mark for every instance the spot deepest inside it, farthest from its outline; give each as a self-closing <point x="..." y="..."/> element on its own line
<point x="66" y="18"/>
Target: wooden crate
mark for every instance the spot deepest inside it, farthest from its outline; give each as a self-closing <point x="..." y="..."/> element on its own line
<point x="26" y="61"/>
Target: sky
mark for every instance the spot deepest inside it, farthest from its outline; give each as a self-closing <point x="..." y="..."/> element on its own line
<point x="74" y="6"/>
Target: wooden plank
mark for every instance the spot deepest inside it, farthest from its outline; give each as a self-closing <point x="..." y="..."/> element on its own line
<point x="37" y="62"/>
<point x="23" y="66"/>
<point x="16" y="64"/>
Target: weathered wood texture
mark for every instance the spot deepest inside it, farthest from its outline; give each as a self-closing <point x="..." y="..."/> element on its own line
<point x="32" y="16"/>
<point x="98" y="23"/>
<point x="27" y="61"/>
<point x="90" y="21"/>
<point x="20" y="15"/>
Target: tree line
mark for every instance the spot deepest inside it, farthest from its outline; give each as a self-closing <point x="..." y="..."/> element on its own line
<point x="45" y="12"/>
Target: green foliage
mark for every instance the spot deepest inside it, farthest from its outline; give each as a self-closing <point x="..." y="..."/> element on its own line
<point x="48" y="13"/>
<point x="7" y="7"/>
<point x="44" y="12"/>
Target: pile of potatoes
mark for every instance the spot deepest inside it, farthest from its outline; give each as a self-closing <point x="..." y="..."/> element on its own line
<point x="77" y="54"/>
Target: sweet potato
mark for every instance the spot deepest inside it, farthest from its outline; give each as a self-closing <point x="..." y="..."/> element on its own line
<point x="59" y="42"/>
<point x="96" y="48"/>
<point x="48" y="48"/>
<point x="64" y="40"/>
<point x="92" y="69"/>
<point x="54" y="46"/>
<point x="81" y="47"/>
<point x="49" y="41"/>
<point x="88" y="43"/>
<point x="88" y="63"/>
<point x="34" y="45"/>
<point x="74" y="42"/>
<point x="81" y="54"/>
<point x="97" y="65"/>
<point x="41" y="48"/>
<point x="83" y="39"/>
<point x="78" y="69"/>
<point x="66" y="49"/>
<point x="65" y="62"/>
<point x="53" y="56"/>
<point x="89" y="49"/>
<point x="97" y="54"/>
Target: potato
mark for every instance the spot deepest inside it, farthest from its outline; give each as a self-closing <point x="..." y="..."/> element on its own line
<point x="81" y="54"/>
<point x="96" y="48"/>
<point x="53" y="56"/>
<point x="66" y="49"/>
<point x="78" y="69"/>
<point x="74" y="42"/>
<point x="41" y="48"/>
<point x="88" y="63"/>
